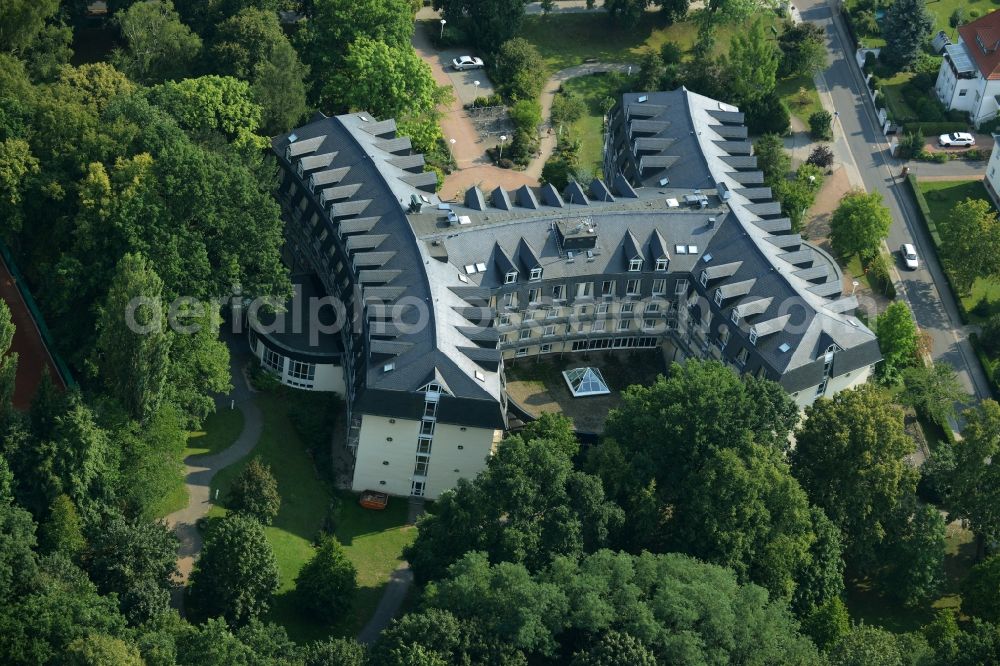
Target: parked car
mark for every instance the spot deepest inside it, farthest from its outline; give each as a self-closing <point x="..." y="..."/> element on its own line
<point x="467" y="62"/>
<point x="959" y="139"/>
<point x="909" y="255"/>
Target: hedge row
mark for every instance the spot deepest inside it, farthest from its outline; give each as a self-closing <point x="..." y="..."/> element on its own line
<point x="986" y="362"/>
<point x="928" y="220"/>
<point x="933" y="129"/>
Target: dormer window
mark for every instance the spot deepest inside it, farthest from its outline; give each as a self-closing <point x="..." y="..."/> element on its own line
<point x="704" y="278"/>
<point x="661" y="264"/>
<point x="298" y="168"/>
<point x="718" y="297"/>
<point x="635" y="265"/>
<point x="511" y="278"/>
<point x="735" y="317"/>
<point x="753" y="336"/>
<point x="536" y="274"/>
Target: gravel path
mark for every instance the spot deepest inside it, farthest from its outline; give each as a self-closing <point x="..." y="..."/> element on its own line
<point x="200" y="469"/>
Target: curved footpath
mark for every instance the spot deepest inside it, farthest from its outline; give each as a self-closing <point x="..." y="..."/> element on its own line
<point x="548" y="142"/>
<point x="200" y="469"/>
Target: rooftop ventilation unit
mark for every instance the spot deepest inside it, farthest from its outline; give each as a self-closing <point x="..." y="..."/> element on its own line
<point x="711" y="223"/>
<point x="590" y="255"/>
<point x="569" y="257"/>
<point x="724" y="192"/>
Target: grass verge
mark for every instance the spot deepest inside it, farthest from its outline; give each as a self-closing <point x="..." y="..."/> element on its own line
<point x="594" y="90"/>
<point x="373" y="540"/>
<point x="800" y="97"/>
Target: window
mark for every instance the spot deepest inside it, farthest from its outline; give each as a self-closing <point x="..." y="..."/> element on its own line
<point x="584" y="289"/>
<point x="559" y="292"/>
<point x="427" y="428"/>
<point x="303" y="371"/>
<point x="510" y="278"/>
<point x="659" y="287"/>
<point x="533" y="295"/>
<point x="963" y="92"/>
<point x="648" y="323"/>
<point x="724" y="337"/>
<point x="608" y="288"/>
<point x="420" y="468"/>
<point x="545" y="349"/>
<point x="598" y="326"/>
<point x="652" y="308"/>
<point x="718" y="297"/>
<point x="549" y="330"/>
<point x="510" y="300"/>
<point x="741" y="358"/>
<point x="624" y="324"/>
<point x="753" y="336"/>
<point x="735" y="316"/>
<point x="521" y="351"/>
<point x="504" y="320"/>
<point x="583" y="311"/>
<point x="505" y="338"/>
<point x="681" y="287"/>
<point x="525" y="333"/>
<point x="423" y="446"/>
<point x="661" y="265"/>
<point x="635" y="265"/>
<point x="628" y="308"/>
<point x="704" y="278"/>
<point x="632" y="287"/>
<point x="536" y="274"/>
<point x="602" y="308"/>
<point x="529" y="315"/>
<point x="416" y="488"/>
<point x="274" y="361"/>
<point x="552" y="313"/>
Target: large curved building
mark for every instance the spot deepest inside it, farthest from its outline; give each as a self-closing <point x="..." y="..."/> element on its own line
<point x="679" y="247"/>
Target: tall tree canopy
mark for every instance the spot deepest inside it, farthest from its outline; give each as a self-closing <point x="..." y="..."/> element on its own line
<point x="897" y="340"/>
<point x="22" y="20"/>
<point x="975" y="492"/>
<point x="158" y="47"/>
<point x="527" y="506"/>
<point x="751" y="66"/>
<point x="970" y="242"/>
<point x="489" y="23"/>
<point x="859" y="224"/>
<point x="849" y="457"/>
<point x="906" y="26"/>
<point x="696" y="461"/>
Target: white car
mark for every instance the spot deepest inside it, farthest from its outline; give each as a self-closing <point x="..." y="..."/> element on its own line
<point x="467" y="62"/>
<point x="960" y="139"/>
<point x="909" y="255"/>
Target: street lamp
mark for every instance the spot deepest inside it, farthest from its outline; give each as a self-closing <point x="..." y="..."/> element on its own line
<point x="475" y="83"/>
<point x="854" y="286"/>
<point x="503" y="138"/>
<point x="443" y="21"/>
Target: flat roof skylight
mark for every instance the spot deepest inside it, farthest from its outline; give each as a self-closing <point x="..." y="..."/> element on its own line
<point x="680" y="249"/>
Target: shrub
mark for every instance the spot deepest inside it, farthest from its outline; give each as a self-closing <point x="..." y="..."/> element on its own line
<point x="990" y="336"/>
<point x="958" y="17"/>
<point x="911" y="145"/>
<point x="526" y="115"/>
<point x="821" y="156"/>
<point x="557" y="171"/>
<point x="523" y="147"/>
<point x="870" y="62"/>
<point x="671" y="53"/>
<point x="820" y="126"/>
<point x="974" y="13"/>
<point x="567" y="108"/>
<point x="505" y="163"/>
<point x="878" y="275"/>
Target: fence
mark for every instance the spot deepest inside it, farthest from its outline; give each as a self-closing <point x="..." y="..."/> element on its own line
<point x="36" y="315"/>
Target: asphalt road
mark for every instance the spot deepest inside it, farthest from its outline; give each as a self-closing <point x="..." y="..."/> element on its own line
<point x="925" y="289"/>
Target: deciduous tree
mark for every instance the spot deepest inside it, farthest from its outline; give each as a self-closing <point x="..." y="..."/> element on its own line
<point x="22" y="20"/>
<point x="489" y="23"/>
<point x="255" y="492"/>
<point x="859" y="224"/>
<point x="63" y="531"/>
<point x="236" y="573"/>
<point x="981" y="590"/>
<point x="519" y="71"/>
<point x="897" y="340"/>
<point x="975" y="493"/>
<point x="850" y="459"/>
<point x="133" y="343"/>
<point x="158" y="47"/>
<point x="970" y="241"/>
<point x="803" y="50"/>
<point x="933" y="390"/>
<point x="751" y="66"/>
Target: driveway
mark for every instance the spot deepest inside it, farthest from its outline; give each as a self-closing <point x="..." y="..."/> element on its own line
<point x="925" y="289"/>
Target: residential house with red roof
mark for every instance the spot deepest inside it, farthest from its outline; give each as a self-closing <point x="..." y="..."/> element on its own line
<point x="969" y="79"/>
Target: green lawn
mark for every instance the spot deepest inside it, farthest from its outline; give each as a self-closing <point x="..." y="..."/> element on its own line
<point x="800" y="97"/>
<point x="941" y="196"/>
<point x="373" y="540"/>
<point x="218" y="432"/>
<point x="855" y="269"/>
<point x="565" y="40"/>
<point x="892" y="88"/>
<point x="594" y="90"/>
<point x="173" y="500"/>
<point x="941" y="10"/>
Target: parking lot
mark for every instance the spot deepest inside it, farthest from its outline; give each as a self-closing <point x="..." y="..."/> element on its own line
<point x="463" y="82"/>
